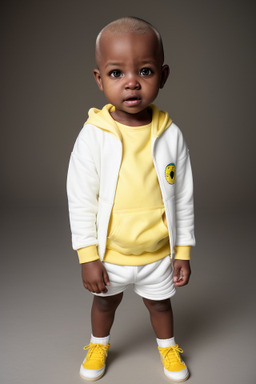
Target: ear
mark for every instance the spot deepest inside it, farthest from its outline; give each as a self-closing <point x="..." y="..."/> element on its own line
<point x="98" y="79"/>
<point x="164" y="75"/>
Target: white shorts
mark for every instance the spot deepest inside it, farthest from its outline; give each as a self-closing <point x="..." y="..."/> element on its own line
<point x="151" y="281"/>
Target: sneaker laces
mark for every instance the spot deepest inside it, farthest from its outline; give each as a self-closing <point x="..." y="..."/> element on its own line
<point x="97" y="351"/>
<point x="171" y="355"/>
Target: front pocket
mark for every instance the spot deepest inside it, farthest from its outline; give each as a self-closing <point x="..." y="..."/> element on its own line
<point x="137" y="231"/>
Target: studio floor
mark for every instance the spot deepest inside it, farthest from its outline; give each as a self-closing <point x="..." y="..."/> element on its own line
<point x="45" y="311"/>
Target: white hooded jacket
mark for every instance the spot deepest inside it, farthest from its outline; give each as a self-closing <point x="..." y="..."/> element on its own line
<point x="93" y="175"/>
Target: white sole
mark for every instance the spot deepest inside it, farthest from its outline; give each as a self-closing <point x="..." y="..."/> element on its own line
<point x="178" y="381"/>
<point x="82" y="373"/>
<point x="93" y="378"/>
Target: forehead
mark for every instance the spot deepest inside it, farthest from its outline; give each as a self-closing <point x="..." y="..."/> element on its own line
<point x="117" y="47"/>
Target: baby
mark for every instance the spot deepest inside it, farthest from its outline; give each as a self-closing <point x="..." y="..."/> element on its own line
<point x="130" y="194"/>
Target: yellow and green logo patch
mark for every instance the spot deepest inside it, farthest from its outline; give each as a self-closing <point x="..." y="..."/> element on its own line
<point x="170" y="173"/>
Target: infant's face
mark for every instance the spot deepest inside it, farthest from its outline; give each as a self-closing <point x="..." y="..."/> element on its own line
<point x="130" y="73"/>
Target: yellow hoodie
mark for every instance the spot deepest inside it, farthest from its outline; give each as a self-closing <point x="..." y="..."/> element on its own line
<point x="137" y="232"/>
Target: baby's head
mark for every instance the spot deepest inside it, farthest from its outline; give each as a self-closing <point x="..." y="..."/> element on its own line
<point x="130" y="71"/>
<point x="132" y="25"/>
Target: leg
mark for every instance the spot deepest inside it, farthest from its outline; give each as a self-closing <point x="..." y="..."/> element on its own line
<point x="103" y="314"/>
<point x="161" y="317"/>
<point x="162" y="321"/>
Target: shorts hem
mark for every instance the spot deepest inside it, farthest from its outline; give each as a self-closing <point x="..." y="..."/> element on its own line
<point x="107" y="294"/>
<point x="157" y="298"/>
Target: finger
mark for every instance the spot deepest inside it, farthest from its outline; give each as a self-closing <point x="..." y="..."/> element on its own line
<point x="89" y="287"/>
<point x="183" y="280"/>
<point x="100" y="287"/>
<point x="103" y="288"/>
<point x="180" y="280"/>
<point x="106" y="278"/>
<point x="176" y="274"/>
<point x="179" y="284"/>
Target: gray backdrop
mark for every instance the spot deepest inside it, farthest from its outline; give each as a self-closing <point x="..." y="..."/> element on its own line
<point x="47" y="88"/>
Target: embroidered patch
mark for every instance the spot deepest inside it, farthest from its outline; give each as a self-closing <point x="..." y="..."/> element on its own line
<point x="170" y="172"/>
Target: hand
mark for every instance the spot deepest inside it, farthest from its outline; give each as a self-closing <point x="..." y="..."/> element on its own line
<point x="181" y="272"/>
<point x="95" y="277"/>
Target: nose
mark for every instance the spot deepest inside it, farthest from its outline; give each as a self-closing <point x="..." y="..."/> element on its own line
<point x="132" y="82"/>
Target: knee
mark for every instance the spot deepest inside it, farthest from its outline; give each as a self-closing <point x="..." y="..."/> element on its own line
<point x="107" y="304"/>
<point x="158" y="306"/>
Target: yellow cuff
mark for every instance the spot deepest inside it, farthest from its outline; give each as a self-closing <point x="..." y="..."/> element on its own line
<point x="182" y="252"/>
<point x="87" y="254"/>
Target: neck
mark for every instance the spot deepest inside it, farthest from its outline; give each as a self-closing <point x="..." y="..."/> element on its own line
<point x="133" y="120"/>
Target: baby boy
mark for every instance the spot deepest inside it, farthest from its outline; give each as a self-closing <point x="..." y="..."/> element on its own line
<point x="130" y="194"/>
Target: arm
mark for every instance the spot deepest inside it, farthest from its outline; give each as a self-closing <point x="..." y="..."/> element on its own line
<point x="184" y="202"/>
<point x="184" y="218"/>
<point x="83" y="190"/>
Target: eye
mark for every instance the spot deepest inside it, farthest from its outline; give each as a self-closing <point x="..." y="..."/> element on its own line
<point x="146" y="72"/>
<point x="116" y="73"/>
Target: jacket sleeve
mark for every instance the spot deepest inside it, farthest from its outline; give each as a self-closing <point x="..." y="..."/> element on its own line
<point x="82" y="192"/>
<point x="184" y="202"/>
<point x="182" y="252"/>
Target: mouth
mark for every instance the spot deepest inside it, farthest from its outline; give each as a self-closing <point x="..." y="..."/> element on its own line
<point x="132" y="101"/>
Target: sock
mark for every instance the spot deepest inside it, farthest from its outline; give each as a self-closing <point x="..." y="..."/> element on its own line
<point x="100" y="340"/>
<point x="164" y="343"/>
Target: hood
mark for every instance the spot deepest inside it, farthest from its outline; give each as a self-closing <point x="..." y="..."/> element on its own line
<point x="102" y="119"/>
<point x="160" y="121"/>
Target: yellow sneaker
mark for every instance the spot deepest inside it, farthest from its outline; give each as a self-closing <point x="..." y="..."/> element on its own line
<point x="93" y="366"/>
<point x="174" y="367"/>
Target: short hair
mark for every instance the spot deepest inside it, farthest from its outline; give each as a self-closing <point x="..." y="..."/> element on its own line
<point x="131" y="24"/>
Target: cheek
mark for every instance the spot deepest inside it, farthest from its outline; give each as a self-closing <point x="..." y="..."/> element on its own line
<point x="153" y="86"/>
<point x="152" y="89"/>
<point x="111" y="92"/>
